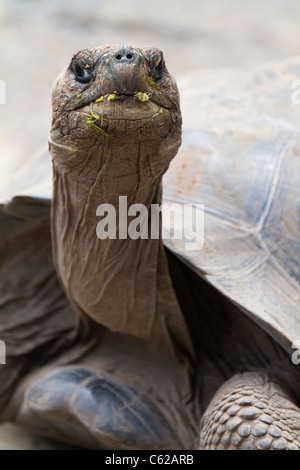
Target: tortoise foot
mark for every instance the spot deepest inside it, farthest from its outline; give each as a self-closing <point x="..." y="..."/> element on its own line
<point x="251" y="411"/>
<point x="79" y="406"/>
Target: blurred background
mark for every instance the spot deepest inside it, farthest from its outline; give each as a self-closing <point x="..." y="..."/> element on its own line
<point x="39" y="37"/>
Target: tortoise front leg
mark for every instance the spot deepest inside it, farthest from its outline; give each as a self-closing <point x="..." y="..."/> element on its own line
<point x="120" y="395"/>
<point x="78" y="406"/>
<point x="251" y="411"/>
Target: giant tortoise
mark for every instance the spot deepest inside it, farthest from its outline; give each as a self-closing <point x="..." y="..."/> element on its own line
<point x="118" y="342"/>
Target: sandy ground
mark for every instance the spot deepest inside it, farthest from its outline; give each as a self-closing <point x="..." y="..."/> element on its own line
<point x="38" y="38"/>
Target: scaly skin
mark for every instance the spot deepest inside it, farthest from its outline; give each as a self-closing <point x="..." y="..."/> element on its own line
<point x="252" y="411"/>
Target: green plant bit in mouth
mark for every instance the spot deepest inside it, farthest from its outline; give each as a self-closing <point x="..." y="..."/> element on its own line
<point x="93" y="118"/>
<point x="111" y="97"/>
<point x="108" y="97"/>
<point x="151" y="83"/>
<point x="142" y="96"/>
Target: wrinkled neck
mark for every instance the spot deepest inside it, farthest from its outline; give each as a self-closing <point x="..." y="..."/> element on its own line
<point x="123" y="284"/>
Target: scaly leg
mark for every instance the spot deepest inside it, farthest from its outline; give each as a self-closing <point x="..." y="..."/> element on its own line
<point x="251" y="411"/>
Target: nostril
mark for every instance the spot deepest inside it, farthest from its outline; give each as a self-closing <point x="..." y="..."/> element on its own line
<point x="124" y="56"/>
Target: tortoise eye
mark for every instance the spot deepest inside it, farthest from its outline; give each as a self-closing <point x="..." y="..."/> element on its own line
<point x="82" y="74"/>
<point x="158" y="70"/>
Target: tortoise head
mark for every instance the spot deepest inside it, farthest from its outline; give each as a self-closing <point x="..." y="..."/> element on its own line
<point x="116" y="94"/>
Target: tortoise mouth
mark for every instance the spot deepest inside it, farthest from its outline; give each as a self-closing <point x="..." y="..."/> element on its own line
<point x="123" y="107"/>
<point x="118" y="113"/>
<point x="142" y="97"/>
